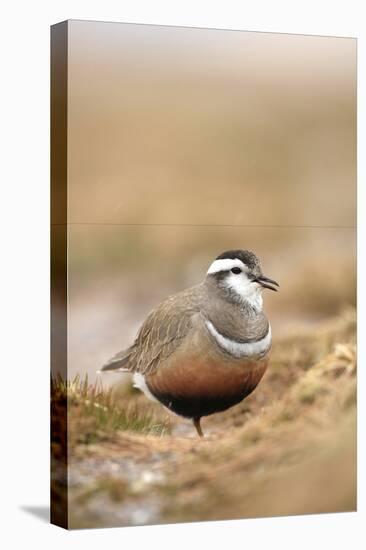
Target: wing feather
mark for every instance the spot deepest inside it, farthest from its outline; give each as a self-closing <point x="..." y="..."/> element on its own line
<point x="160" y="335"/>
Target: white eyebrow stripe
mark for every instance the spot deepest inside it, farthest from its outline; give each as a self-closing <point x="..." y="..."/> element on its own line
<point x="225" y="265"/>
<point x="239" y="349"/>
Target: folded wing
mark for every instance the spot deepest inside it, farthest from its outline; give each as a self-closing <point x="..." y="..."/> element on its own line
<point x="160" y="335"/>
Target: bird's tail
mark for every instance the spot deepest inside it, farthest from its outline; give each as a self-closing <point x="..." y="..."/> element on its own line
<point x="118" y="363"/>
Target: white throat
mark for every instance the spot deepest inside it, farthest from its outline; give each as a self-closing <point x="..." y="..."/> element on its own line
<point x="244" y="288"/>
<point x="255" y="299"/>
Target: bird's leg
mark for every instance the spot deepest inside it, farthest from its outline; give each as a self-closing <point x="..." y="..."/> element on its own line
<point x="197" y="425"/>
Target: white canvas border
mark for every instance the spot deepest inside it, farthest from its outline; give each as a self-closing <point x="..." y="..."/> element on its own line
<point x="25" y="297"/>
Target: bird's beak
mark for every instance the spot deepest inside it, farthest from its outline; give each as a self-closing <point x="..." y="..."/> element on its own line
<point x="265" y="282"/>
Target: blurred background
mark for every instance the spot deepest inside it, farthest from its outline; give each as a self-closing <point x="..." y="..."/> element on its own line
<point x="186" y="142"/>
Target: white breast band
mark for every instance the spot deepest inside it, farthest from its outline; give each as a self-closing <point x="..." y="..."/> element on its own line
<point x="239" y="349"/>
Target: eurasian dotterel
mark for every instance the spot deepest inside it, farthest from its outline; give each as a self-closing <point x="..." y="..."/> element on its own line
<point x="206" y="348"/>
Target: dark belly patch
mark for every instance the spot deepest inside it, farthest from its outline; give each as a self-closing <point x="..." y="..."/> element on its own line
<point x="195" y="390"/>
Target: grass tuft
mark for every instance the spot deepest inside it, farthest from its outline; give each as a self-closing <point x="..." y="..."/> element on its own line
<point x="94" y="413"/>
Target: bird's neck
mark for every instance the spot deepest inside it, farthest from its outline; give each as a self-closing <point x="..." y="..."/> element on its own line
<point x="250" y="301"/>
<point x="235" y="318"/>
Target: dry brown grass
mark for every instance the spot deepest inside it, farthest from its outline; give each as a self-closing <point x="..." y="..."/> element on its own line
<point x="288" y="449"/>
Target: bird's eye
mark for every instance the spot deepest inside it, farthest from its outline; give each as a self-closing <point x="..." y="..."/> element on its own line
<point x="236" y="270"/>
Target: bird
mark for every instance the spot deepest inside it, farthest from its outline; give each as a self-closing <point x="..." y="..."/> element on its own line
<point x="206" y="348"/>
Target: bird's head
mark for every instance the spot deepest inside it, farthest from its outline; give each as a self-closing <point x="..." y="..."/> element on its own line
<point x="240" y="274"/>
